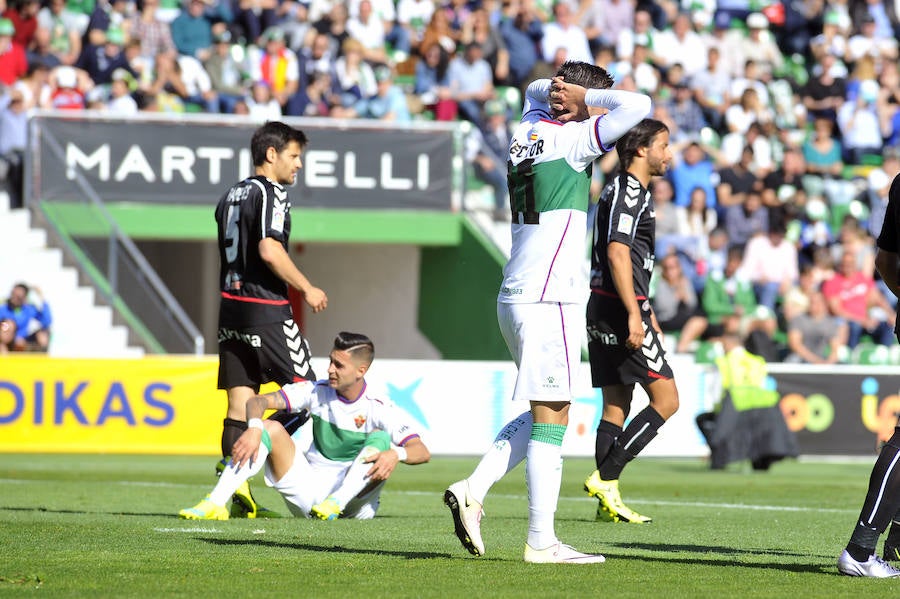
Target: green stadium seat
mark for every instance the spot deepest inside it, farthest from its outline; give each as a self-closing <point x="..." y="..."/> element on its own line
<point x="512" y="97"/>
<point x="406" y="82"/>
<point x="871" y="160"/>
<point x="838" y="212"/>
<point x="871" y="354"/>
<point x="706" y="353"/>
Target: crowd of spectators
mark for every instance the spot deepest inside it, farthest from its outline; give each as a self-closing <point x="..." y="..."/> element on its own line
<point x="785" y="116"/>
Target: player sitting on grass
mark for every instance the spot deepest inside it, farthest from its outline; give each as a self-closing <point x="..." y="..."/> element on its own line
<point x="351" y="456"/>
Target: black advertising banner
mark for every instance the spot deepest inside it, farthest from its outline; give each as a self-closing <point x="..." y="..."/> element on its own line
<point x="189" y="161"/>
<point x="839" y="414"/>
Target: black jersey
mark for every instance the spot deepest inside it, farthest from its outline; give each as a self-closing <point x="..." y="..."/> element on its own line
<point x="625" y="214"/>
<point x="249" y="212"/>
<point x="889" y="236"/>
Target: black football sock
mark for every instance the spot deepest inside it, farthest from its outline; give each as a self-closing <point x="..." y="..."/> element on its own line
<point x="607" y="432"/>
<point x="231" y="430"/>
<point x="882" y="500"/>
<point x="639" y="432"/>
<point x="893" y="538"/>
<point x="862" y="542"/>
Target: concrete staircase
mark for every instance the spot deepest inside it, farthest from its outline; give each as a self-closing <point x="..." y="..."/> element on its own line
<point x="81" y="327"/>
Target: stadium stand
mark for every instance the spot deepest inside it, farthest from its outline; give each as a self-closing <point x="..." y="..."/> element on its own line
<point x="750" y="77"/>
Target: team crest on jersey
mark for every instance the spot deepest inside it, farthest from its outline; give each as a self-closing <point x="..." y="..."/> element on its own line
<point x="278" y="219"/>
<point x="359" y="420"/>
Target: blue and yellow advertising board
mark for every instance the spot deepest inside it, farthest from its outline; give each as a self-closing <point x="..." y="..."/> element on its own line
<point x="152" y="405"/>
<point x="170" y="405"/>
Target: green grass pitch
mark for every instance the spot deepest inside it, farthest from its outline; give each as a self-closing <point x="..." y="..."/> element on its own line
<point x="105" y="526"/>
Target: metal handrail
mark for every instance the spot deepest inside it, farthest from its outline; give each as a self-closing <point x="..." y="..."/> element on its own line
<point x="184" y="326"/>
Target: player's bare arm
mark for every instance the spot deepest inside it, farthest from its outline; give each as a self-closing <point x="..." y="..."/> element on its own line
<point x="383" y="463"/>
<point x="619" y="256"/>
<point x="246" y="447"/>
<point x="278" y="260"/>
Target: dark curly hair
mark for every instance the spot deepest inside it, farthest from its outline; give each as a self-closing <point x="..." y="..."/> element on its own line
<point x="639" y="136"/>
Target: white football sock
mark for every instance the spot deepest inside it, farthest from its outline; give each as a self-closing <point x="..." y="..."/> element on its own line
<point x="508" y="450"/>
<point x="232" y="478"/>
<point x="543" y="473"/>
<point x="356" y="479"/>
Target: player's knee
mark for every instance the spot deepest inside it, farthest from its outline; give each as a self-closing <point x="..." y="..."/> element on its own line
<point x="367" y="452"/>
<point x="664" y="397"/>
<point x="380" y="440"/>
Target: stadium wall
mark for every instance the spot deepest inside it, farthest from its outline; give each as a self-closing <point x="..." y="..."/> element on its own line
<point x="169" y="405"/>
<point x="459" y="285"/>
<point x="368" y="263"/>
<point x="372" y="290"/>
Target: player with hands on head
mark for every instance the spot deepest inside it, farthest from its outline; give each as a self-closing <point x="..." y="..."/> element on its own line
<point x="567" y="122"/>
<point x="358" y="440"/>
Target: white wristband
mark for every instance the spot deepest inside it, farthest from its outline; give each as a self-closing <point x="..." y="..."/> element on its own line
<point x="401" y="453"/>
<point x="255" y="423"/>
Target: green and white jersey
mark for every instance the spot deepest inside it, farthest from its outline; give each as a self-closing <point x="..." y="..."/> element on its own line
<point x="549" y="178"/>
<point x="340" y="425"/>
<point x="549" y="174"/>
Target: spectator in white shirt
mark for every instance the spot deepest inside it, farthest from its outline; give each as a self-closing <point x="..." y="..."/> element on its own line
<point x="120" y="99"/>
<point x="681" y="45"/>
<point x="566" y="34"/>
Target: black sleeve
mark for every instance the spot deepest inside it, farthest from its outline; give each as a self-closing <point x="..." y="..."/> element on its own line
<point x="624" y="213"/>
<point x="272" y="205"/>
<point x="887" y="240"/>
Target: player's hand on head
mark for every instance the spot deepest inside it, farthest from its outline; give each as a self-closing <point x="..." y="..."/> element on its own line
<point x="567" y="100"/>
<point x="316" y="299"/>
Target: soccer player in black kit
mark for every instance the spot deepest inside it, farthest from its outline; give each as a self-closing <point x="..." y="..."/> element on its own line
<point x="882" y="503"/>
<point x="259" y="342"/>
<point x="624" y="339"/>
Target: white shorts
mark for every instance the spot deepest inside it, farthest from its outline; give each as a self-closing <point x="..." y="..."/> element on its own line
<point x="306" y="484"/>
<point x="545" y="342"/>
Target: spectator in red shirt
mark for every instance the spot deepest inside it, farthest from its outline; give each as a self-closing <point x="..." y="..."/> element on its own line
<point x="853" y="297"/>
<point x="67" y="94"/>
<point x="13" y="64"/>
<point x="23" y="15"/>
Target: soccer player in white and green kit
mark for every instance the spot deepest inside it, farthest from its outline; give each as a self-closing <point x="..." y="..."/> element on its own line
<point x="566" y="124"/>
<point x="358" y="440"/>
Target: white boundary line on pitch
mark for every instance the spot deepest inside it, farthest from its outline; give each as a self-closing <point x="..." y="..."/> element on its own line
<point x="636" y="500"/>
<point x="688" y="504"/>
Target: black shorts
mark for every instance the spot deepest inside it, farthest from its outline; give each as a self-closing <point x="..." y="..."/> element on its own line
<point x="611" y="362"/>
<point x="276" y="352"/>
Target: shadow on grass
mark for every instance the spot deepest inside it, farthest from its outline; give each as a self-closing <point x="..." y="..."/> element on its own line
<point x="706" y="558"/>
<point x="818" y="568"/>
<point x="329" y="548"/>
<point x="46" y="510"/>
<point x="709" y="549"/>
<point x="720" y="556"/>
